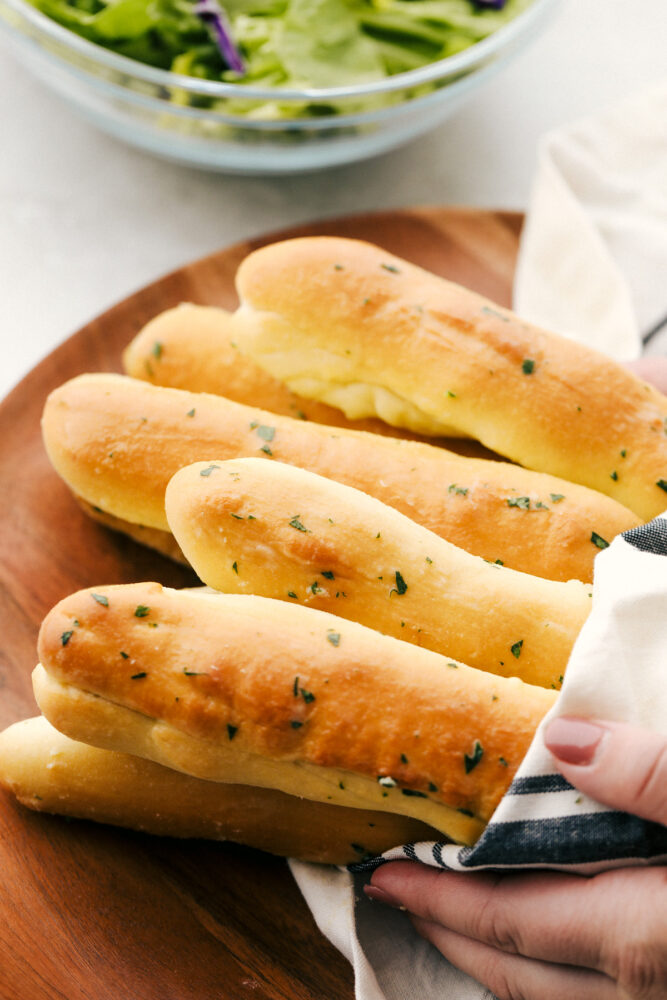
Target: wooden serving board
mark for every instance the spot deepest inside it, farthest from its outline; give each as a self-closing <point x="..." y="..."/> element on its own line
<point x="94" y="913"/>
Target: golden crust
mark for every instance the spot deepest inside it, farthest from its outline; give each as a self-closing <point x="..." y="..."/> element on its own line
<point x="117" y="441"/>
<point x="48" y="772"/>
<point x="254" y="527"/>
<point x="344" y="321"/>
<point x="193" y="347"/>
<point x="258" y="683"/>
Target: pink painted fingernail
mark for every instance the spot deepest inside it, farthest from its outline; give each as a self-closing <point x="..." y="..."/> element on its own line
<point x="379" y="895"/>
<point x="574" y="741"/>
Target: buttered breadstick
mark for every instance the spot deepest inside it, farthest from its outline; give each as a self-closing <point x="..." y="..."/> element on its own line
<point x="258" y="692"/>
<point x="349" y="324"/>
<point x="117" y="441"/>
<point x="255" y="527"/>
<point x="49" y="772"/>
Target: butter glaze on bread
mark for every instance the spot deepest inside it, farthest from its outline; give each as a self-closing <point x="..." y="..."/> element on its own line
<point x="117" y="441"/>
<point x="48" y="772"/>
<point x="349" y="324"/>
<point x="255" y="527"/>
<point x="253" y="691"/>
<point x="195" y="347"/>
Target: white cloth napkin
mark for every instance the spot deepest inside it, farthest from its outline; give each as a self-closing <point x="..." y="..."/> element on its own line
<point x="593" y="266"/>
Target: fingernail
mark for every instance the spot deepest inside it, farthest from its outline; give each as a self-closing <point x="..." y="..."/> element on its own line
<point x="379" y="895"/>
<point x="574" y="741"/>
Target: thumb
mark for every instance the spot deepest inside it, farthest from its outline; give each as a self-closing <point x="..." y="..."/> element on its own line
<point x="616" y="764"/>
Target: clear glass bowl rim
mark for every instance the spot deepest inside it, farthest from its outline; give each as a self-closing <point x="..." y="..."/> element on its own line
<point x="461" y="62"/>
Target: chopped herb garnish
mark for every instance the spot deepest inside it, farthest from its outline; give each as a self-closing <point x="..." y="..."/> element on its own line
<point x="139" y="676"/>
<point x="265" y="448"/>
<point x="502" y="761"/>
<point x="295" y="724"/>
<point x="557" y="497"/>
<point x="624" y="452"/>
<point x="341" y="786"/>
<point x="232" y="730"/>
<point x="432" y="787"/>
<point x="141" y="611"/>
<point x="466" y="812"/>
<point x="290" y="593"/>
<point x="522" y="502"/>
<point x="498" y="562"/>
<point x="194" y="673"/>
<point x="191" y="412"/>
<point x="157" y="350"/>
<point x="307" y="696"/>
<point x="472" y="760"/>
<point x="494" y="312"/>
<point x="235" y="567"/>
<point x="662" y="483"/>
<point x="66" y="636"/>
<point x="599" y="540"/>
<point x="208" y="470"/>
<point x="516" y="648"/>
<point x="125" y="655"/>
<point x="266" y="433"/>
<point x="101" y="599"/>
<point x="528" y="366"/>
<point x="614" y="475"/>
<point x="296" y="523"/>
<point x="540" y="506"/>
<point x="237" y="517"/>
<point x="454" y="666"/>
<point x="429" y="560"/>
<point x="415" y="794"/>
<point x="295" y="687"/>
<point x="333" y="637"/>
<point x="461" y="491"/>
<point x="328" y="574"/>
<point x="314" y="588"/>
<point x="452" y="395"/>
<point x="390" y="267"/>
<point x="401" y="585"/>
<point x="338" y="267"/>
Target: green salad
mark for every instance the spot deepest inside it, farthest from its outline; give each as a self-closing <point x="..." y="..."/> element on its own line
<point x="284" y="43"/>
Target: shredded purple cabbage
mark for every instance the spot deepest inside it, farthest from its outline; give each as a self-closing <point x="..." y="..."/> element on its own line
<point x="211" y="13"/>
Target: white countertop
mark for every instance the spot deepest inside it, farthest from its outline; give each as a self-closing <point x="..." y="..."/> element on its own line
<point x="85" y="220"/>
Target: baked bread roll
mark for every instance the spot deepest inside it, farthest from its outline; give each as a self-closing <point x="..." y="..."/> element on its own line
<point x="251" y="691"/>
<point x="347" y="323"/>
<point x="194" y="347"/>
<point x="49" y="772"/>
<point x="117" y="441"/>
<point x="255" y="527"/>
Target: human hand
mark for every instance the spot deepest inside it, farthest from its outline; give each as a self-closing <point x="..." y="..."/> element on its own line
<point x="549" y="936"/>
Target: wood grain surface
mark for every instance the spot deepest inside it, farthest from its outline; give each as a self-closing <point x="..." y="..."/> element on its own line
<point x="90" y="912"/>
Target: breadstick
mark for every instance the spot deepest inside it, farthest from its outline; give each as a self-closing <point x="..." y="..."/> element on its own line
<point x="117" y="441"/>
<point x="255" y="527"/>
<point x="252" y="691"/>
<point x="347" y="323"/>
<point x="49" y="772"/>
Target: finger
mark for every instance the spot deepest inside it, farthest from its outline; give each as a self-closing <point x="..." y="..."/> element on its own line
<point x="511" y="976"/>
<point x="593" y="923"/>
<point x="652" y="369"/>
<point x="616" y="764"/>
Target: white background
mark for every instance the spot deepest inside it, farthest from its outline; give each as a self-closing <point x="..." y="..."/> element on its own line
<point x="85" y="220"/>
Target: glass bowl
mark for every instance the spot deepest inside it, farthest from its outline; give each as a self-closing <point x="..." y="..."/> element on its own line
<point x="167" y="114"/>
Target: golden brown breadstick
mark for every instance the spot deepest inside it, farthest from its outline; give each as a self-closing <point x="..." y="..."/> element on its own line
<point x="253" y="691"/>
<point x="117" y="441"/>
<point x="349" y="324"/>
<point x="49" y="772"/>
<point x="255" y="527"/>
